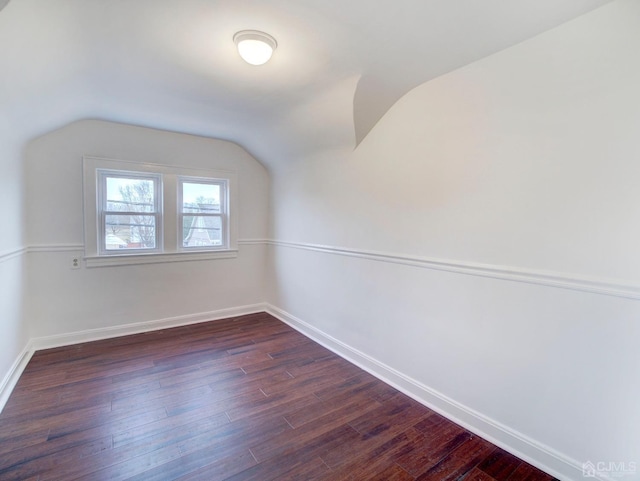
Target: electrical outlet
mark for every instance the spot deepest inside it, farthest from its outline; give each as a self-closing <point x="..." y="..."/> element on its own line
<point x="75" y="263"/>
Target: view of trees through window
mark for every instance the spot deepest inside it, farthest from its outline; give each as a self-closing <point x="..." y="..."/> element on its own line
<point x="130" y="221"/>
<point x="131" y="213"/>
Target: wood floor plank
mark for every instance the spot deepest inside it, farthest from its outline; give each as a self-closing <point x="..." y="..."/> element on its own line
<point x="242" y="433"/>
<point x="306" y="384"/>
<point x="24" y="441"/>
<point x="526" y="472"/>
<point x="220" y="468"/>
<point x="459" y="462"/>
<point x="191" y="422"/>
<point x="309" y="433"/>
<point x="243" y="398"/>
<point x="187" y="463"/>
<point x="432" y="450"/>
<point x="314" y="469"/>
<point x="478" y="475"/>
<point x="367" y="456"/>
<point x="398" y="413"/>
<point x="500" y="464"/>
<point x="392" y="473"/>
<point x="336" y="405"/>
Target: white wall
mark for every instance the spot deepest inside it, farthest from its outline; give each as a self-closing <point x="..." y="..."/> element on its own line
<point x="14" y="331"/>
<point x="523" y="166"/>
<point x="63" y="301"/>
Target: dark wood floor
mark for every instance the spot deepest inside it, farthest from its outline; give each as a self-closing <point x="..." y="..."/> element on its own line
<point x="246" y="398"/>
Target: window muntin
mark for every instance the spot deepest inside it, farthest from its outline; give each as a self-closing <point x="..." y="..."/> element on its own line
<point x="130" y="212"/>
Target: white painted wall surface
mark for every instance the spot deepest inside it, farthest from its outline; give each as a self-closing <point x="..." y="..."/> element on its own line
<point x="14" y="332"/>
<point x="62" y="300"/>
<point x="528" y="159"/>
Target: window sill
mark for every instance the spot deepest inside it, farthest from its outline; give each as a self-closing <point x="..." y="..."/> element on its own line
<point x="137" y="259"/>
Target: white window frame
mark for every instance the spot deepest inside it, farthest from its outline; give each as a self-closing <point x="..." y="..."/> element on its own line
<point x="224" y="218"/>
<point x="103" y="212"/>
<point x="169" y="235"/>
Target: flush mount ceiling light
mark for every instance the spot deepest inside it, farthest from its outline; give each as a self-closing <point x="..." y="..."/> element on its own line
<point x="255" y="47"/>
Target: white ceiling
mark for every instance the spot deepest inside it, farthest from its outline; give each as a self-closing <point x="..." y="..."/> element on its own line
<point x="339" y="66"/>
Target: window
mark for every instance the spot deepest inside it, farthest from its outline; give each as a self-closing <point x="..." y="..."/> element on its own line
<point x="145" y="213"/>
<point x="202" y="207"/>
<point x="130" y="212"/>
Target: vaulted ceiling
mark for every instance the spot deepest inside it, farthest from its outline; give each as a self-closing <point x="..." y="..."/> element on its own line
<point x="339" y="66"/>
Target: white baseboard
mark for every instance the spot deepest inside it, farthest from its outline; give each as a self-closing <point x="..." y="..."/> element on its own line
<point x="535" y="453"/>
<point x="11" y="378"/>
<point x="89" y="335"/>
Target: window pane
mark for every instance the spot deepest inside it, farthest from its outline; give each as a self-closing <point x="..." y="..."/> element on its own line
<point x="130" y="194"/>
<point x="201" y="231"/>
<point x="130" y="232"/>
<point x="200" y="198"/>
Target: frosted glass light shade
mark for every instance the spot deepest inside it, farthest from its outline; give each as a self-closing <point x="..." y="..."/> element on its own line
<point x="255" y="47"/>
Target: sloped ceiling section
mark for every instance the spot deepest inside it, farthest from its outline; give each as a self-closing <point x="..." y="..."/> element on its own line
<point x="338" y="68"/>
